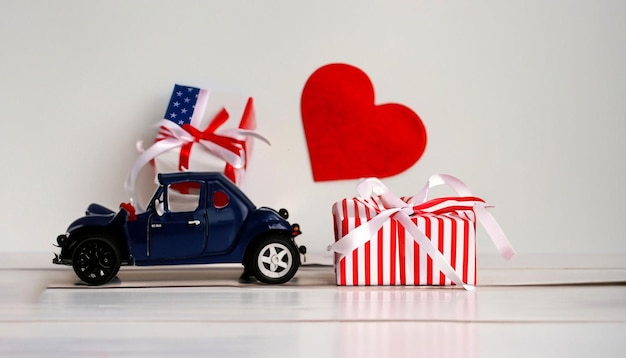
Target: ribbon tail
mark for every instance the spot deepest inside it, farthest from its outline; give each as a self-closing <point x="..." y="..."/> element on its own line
<point x="139" y="146"/>
<point x="237" y="160"/>
<point x="143" y="159"/>
<point x="427" y="245"/>
<point x="371" y="187"/>
<point x="241" y="134"/>
<point x="494" y="230"/>
<point x="360" y="235"/>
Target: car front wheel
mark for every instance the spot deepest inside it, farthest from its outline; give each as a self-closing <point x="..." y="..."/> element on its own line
<point x="96" y="260"/>
<point x="275" y="260"/>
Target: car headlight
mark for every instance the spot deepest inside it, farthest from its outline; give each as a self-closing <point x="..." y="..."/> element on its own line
<point x="283" y="213"/>
<point x="62" y="239"/>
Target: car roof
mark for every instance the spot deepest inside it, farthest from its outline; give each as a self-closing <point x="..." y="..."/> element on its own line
<point x="165" y="178"/>
<point x="168" y="178"/>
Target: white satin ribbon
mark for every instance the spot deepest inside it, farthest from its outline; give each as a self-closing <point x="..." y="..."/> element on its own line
<point x="483" y="216"/>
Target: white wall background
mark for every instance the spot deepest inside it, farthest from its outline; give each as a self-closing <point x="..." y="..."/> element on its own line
<point x="523" y="100"/>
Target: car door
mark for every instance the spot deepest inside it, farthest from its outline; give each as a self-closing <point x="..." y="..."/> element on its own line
<point x="225" y="215"/>
<point x="178" y="229"/>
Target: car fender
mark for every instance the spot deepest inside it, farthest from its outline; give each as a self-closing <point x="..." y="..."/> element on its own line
<point x="111" y="224"/>
<point x="264" y="220"/>
<point x="92" y="220"/>
<point x="260" y="222"/>
<point x="97" y="209"/>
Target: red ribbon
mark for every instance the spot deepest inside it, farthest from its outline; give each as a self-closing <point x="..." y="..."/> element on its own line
<point x="231" y="144"/>
<point x="459" y="206"/>
<point x="132" y="215"/>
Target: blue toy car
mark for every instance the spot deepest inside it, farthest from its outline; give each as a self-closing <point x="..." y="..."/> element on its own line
<point x="192" y="218"/>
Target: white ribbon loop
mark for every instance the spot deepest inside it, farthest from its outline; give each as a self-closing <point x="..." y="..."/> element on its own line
<point x="371" y="187"/>
<point x="243" y="134"/>
<point x="494" y="231"/>
<point x="442" y="179"/>
<point x="483" y="216"/>
<point x="374" y="187"/>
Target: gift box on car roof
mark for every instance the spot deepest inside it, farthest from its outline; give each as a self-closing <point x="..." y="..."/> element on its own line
<point x="381" y="239"/>
<point x="201" y="131"/>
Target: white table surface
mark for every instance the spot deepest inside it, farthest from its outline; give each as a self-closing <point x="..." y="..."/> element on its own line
<point x="534" y="306"/>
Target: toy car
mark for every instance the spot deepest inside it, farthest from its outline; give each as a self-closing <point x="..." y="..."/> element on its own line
<point x="192" y="218"/>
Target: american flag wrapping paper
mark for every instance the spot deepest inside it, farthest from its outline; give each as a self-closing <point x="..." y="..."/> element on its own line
<point x="385" y="240"/>
<point x="185" y="143"/>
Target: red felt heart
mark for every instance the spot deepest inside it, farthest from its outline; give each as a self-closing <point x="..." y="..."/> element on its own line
<point x="350" y="137"/>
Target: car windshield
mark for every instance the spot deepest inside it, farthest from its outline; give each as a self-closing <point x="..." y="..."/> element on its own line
<point x="181" y="197"/>
<point x="179" y="202"/>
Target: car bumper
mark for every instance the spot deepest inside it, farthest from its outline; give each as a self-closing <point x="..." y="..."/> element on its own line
<point x="58" y="260"/>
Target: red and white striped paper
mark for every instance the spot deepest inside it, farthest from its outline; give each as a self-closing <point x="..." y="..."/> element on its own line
<point x="393" y="257"/>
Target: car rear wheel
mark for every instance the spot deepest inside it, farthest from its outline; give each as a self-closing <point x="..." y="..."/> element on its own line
<point x="275" y="260"/>
<point x="96" y="260"/>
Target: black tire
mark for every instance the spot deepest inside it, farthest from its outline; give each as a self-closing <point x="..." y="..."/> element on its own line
<point x="96" y="260"/>
<point x="274" y="260"/>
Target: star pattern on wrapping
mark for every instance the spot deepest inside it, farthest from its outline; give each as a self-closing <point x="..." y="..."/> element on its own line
<point x="182" y="104"/>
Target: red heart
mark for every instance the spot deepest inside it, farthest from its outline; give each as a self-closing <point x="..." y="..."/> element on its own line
<point x="350" y="137"/>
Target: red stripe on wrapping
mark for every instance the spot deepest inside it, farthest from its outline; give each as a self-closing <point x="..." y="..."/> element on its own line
<point x="379" y="257"/>
<point x="368" y="261"/>
<point x="465" y="250"/>
<point x="451" y="209"/>
<point x="437" y="201"/>
<point x="416" y="260"/>
<point x="453" y="248"/>
<point x="392" y="252"/>
<point x="336" y="231"/>
<point x="440" y="246"/>
<point x="335" y="222"/>
<point x="367" y="277"/>
<point x="355" y="253"/>
<point x="344" y="232"/>
<point x="429" y="260"/>
<point x="402" y="254"/>
<point x="474" y="243"/>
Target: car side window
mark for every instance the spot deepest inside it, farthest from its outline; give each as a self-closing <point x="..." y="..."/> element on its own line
<point x="220" y="199"/>
<point x="183" y="197"/>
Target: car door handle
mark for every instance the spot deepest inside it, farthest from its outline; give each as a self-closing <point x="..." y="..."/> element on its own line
<point x="193" y="222"/>
<point x="155" y="225"/>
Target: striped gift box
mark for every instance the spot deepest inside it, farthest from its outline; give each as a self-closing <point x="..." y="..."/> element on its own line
<point x="393" y="257"/>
